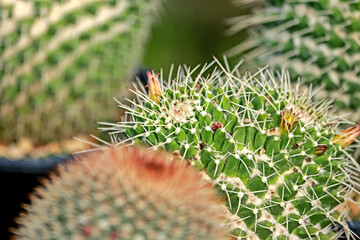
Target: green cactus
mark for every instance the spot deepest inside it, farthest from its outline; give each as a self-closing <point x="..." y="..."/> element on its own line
<point x="273" y="153"/>
<point x="61" y="61"/>
<point x="128" y="194"/>
<point x="316" y="40"/>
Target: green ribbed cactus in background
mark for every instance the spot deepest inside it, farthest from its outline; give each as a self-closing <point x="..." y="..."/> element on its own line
<point x="128" y="194"/>
<point x="319" y="41"/>
<point x="61" y="61"/>
<point x="276" y="156"/>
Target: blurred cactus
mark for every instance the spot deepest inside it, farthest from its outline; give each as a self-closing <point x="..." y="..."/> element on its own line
<point x="62" y="61"/>
<point x="277" y="156"/>
<point x="129" y="194"/>
<point x="316" y="40"/>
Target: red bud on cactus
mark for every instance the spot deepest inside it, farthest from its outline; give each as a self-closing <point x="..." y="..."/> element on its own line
<point x="154" y="86"/>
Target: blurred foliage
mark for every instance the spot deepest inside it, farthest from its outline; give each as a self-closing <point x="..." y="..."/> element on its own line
<point x="190" y="32"/>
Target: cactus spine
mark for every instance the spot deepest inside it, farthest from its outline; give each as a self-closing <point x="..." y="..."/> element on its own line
<point x="275" y="155"/>
<point x="316" y="40"/>
<point x="61" y="62"/>
<point x="128" y="194"/>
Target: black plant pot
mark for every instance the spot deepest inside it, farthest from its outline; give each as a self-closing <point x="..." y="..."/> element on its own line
<point x="32" y="166"/>
<point x="354" y="227"/>
<point x="18" y="179"/>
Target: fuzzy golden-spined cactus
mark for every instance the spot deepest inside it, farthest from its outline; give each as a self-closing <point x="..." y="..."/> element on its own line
<point x="276" y="155"/>
<point x="126" y="194"/>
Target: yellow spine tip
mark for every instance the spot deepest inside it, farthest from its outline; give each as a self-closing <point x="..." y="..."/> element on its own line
<point x="154" y="86"/>
<point x="347" y="136"/>
<point x="288" y="121"/>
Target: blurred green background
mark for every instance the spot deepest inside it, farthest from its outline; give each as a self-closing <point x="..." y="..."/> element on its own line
<point x="190" y="32"/>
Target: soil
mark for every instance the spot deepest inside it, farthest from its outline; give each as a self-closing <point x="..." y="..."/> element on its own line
<point x="26" y="148"/>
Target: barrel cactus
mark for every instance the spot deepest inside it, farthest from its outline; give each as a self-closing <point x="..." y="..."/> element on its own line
<point x="274" y="154"/>
<point x="61" y="62"/>
<point x="316" y="40"/>
<point x="128" y="194"/>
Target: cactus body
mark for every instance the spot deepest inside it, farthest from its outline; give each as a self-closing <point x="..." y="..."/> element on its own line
<point x="316" y="40"/>
<point x="129" y="194"/>
<point x="61" y="62"/>
<point x="268" y="149"/>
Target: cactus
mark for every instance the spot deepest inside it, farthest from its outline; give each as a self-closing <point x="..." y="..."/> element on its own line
<point x="61" y="62"/>
<point x="316" y="40"/>
<point x="128" y="194"/>
<point x="277" y="156"/>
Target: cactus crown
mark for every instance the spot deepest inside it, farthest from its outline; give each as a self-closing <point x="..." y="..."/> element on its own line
<point x="316" y="40"/>
<point x="61" y="62"/>
<point x="125" y="194"/>
<point x="267" y="148"/>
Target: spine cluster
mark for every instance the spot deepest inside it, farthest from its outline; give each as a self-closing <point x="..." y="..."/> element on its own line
<point x="316" y="40"/>
<point x="277" y="156"/>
